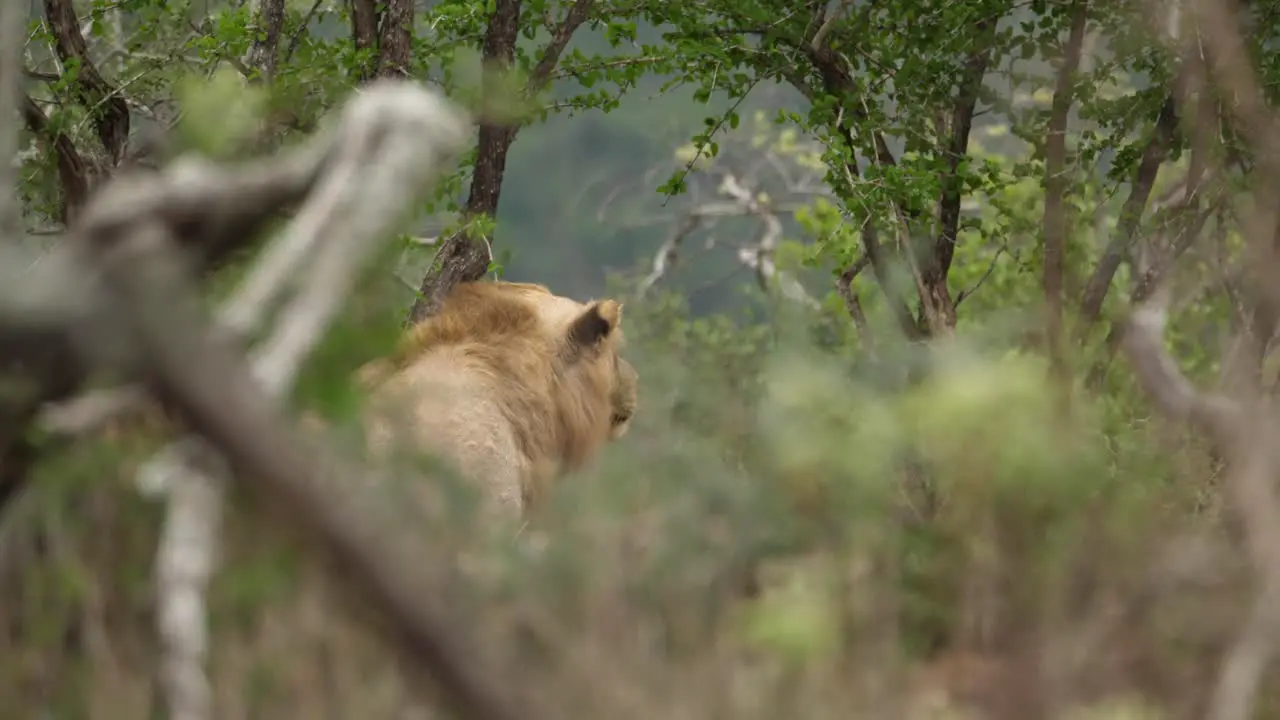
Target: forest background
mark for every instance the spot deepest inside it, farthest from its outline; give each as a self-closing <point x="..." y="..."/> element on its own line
<point x="880" y="263"/>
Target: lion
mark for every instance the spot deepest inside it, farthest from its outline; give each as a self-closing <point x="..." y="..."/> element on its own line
<point x="514" y="385"/>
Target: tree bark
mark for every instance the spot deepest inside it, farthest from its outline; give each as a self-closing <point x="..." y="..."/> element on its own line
<point x="395" y="45"/>
<point x="364" y="30"/>
<point x="465" y="257"/>
<point x="265" y="50"/>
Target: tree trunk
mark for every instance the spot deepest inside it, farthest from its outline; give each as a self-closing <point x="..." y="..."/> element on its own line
<point x="464" y="257"/>
<point x="395" y="46"/>
<point x="264" y="53"/>
<point x="1056" y="183"/>
<point x="364" y="31"/>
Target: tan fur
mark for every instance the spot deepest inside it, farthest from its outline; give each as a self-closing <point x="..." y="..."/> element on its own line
<point x="497" y="383"/>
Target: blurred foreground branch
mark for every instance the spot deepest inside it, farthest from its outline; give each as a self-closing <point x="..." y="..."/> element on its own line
<point x="116" y="293"/>
<point x="1242" y="422"/>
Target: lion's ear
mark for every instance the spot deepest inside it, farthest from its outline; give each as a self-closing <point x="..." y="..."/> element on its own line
<point x="595" y="324"/>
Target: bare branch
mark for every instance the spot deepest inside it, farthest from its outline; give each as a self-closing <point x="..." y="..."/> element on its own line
<point x="759" y="257"/>
<point x="91" y="411"/>
<point x="1188" y="222"/>
<point x="1240" y="678"/>
<point x="203" y="379"/>
<point x="377" y="172"/>
<point x="670" y="250"/>
<point x="1231" y="67"/>
<point x="991" y="266"/>
<point x="391" y="143"/>
<point x="1176" y="208"/>
<point x="190" y="475"/>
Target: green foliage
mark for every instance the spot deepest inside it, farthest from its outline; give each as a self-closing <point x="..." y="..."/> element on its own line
<point x="218" y="112"/>
<point x="490" y="92"/>
<point x="752" y="448"/>
<point x="797" y="621"/>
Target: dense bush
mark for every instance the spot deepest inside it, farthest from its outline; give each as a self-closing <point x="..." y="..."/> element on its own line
<point x="778" y="531"/>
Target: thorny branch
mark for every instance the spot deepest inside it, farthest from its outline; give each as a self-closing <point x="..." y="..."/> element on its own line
<point x="132" y="309"/>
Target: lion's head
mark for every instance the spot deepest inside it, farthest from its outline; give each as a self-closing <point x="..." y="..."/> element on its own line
<point x="549" y="363"/>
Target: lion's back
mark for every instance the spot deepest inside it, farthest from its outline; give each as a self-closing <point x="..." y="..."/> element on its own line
<point x="449" y="409"/>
